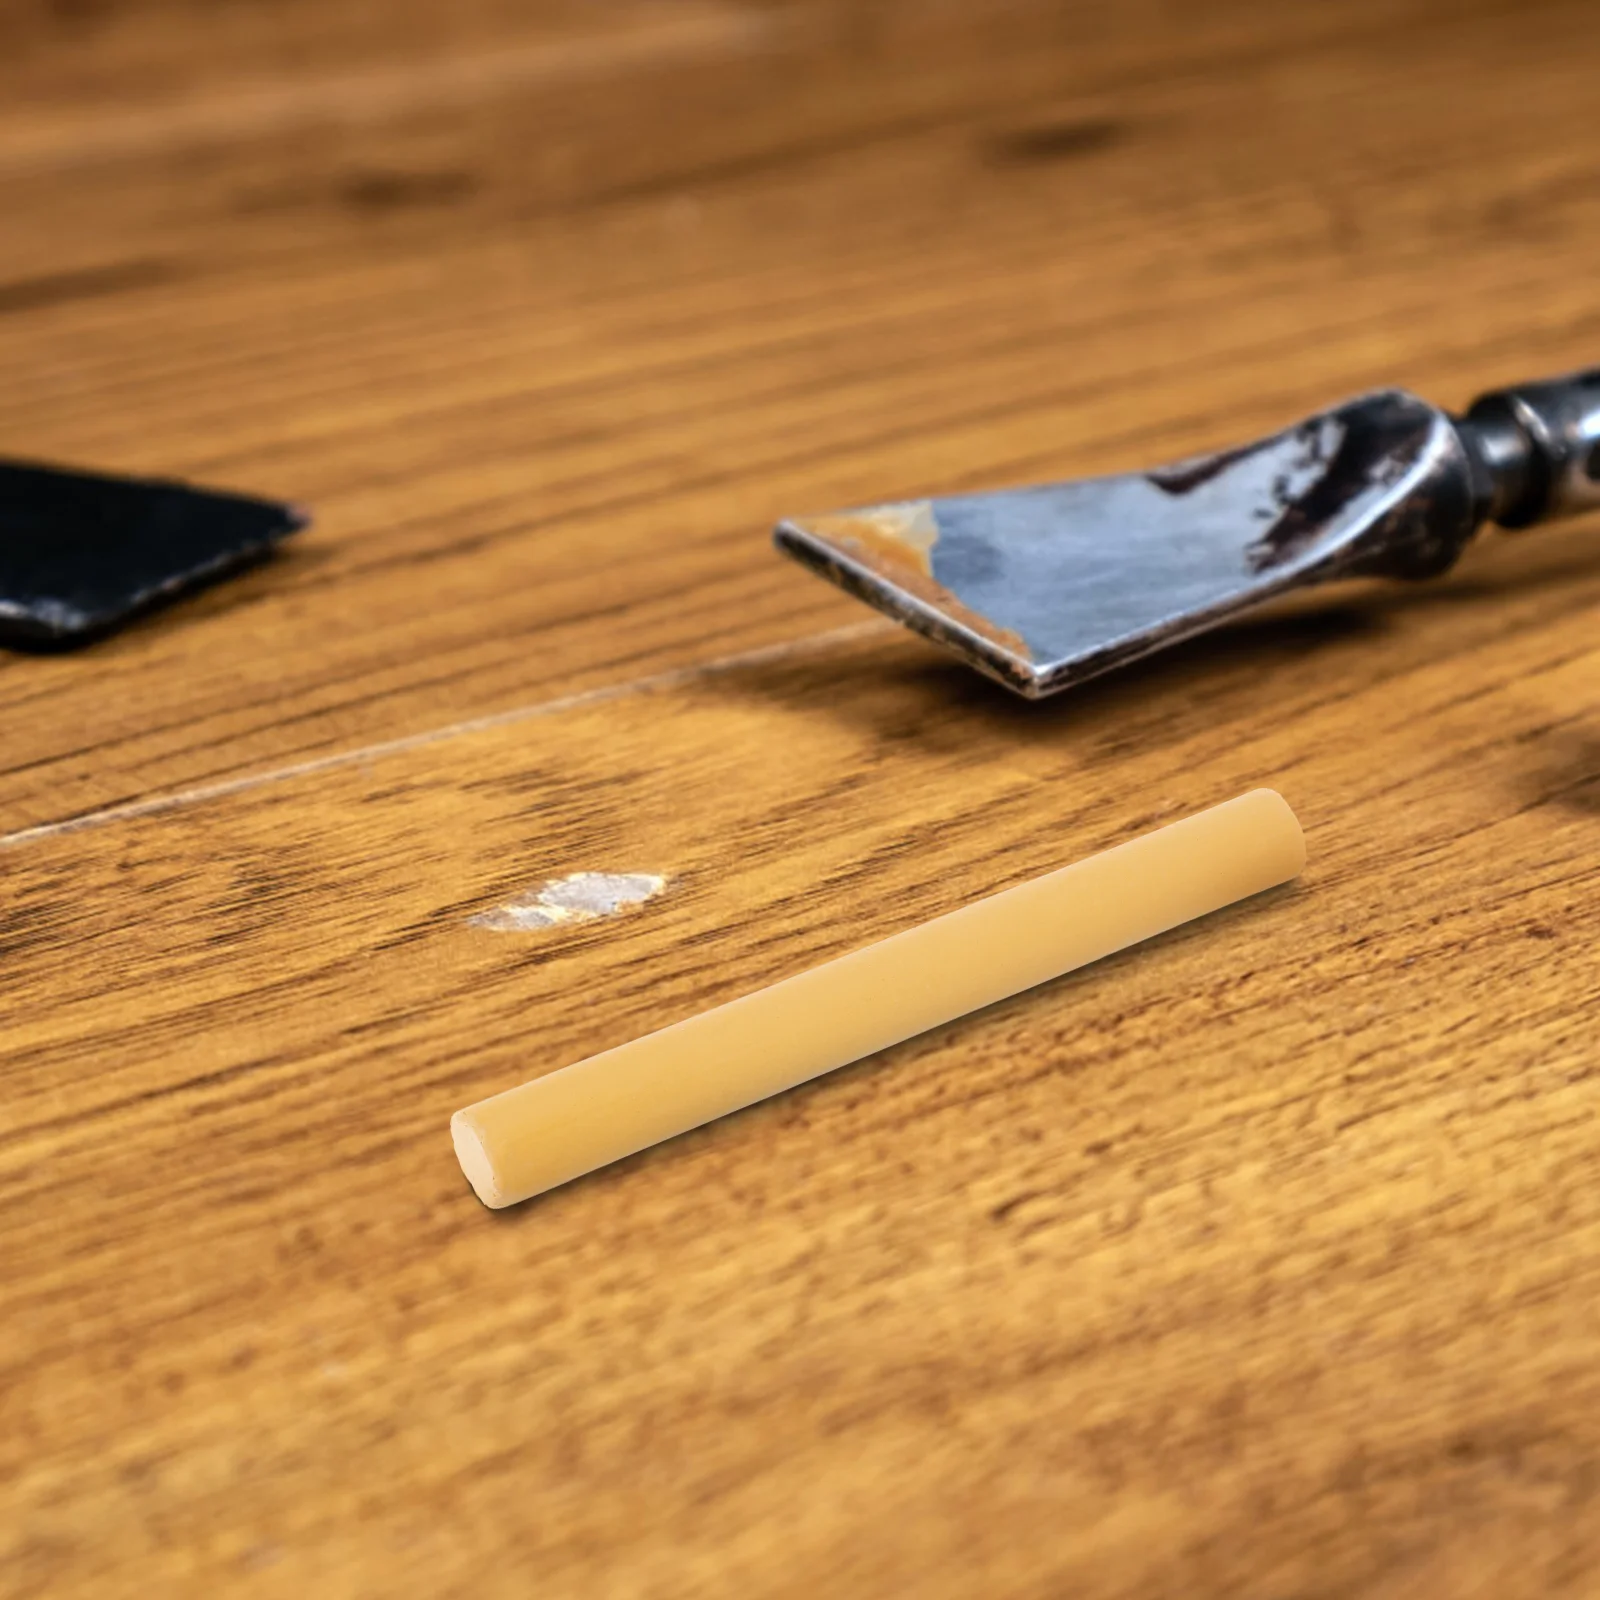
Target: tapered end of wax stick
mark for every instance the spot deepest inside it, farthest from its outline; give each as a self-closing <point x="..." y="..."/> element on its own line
<point x="475" y="1162"/>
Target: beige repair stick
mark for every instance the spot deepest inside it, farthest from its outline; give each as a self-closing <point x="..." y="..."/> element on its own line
<point x="530" y="1139"/>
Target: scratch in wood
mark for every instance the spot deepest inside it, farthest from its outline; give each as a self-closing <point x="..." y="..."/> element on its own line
<point x="580" y="897"/>
<point x="674" y="677"/>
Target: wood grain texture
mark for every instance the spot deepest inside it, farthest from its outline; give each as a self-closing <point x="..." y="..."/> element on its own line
<point x="1262" y="1260"/>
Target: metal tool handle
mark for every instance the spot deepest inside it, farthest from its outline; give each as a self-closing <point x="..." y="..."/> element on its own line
<point x="1536" y="449"/>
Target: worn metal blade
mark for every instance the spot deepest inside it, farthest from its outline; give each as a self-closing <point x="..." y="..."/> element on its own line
<point x="1045" y="587"/>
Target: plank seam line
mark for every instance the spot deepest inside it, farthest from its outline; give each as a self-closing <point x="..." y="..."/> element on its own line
<point x="674" y="678"/>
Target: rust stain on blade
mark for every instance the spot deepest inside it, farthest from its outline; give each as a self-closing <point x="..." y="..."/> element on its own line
<point x="896" y="538"/>
<point x="895" y="544"/>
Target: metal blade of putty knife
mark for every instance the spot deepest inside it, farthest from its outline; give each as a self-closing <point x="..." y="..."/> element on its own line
<point x="1045" y="587"/>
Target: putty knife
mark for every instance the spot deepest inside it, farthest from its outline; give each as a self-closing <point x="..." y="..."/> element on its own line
<point x="1045" y="587"/>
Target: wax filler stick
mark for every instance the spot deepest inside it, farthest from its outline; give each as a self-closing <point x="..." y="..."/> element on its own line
<point x="558" y="1127"/>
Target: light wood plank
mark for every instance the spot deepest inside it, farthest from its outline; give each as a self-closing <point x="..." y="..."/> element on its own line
<point x="1288" y="1212"/>
<point x="1260" y="1260"/>
<point x="606" y="413"/>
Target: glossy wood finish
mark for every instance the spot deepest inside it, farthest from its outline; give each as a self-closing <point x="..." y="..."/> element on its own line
<point x="1261" y="1260"/>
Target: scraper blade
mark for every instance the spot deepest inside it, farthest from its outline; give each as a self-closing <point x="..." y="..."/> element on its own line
<point x="1045" y="587"/>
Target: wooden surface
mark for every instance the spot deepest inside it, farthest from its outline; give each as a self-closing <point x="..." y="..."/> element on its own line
<point x="1261" y="1261"/>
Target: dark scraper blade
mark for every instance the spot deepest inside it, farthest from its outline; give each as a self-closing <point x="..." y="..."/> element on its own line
<point x="80" y="553"/>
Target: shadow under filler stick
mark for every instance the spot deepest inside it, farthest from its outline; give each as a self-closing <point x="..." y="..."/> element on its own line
<point x="558" y="1127"/>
